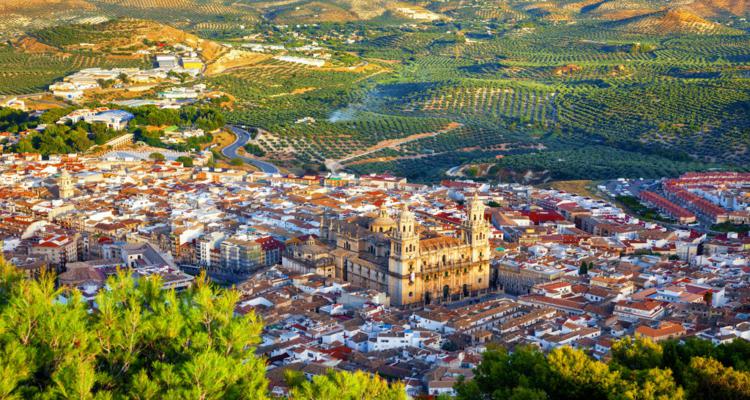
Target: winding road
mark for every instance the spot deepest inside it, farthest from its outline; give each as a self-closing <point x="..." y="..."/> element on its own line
<point x="243" y="136"/>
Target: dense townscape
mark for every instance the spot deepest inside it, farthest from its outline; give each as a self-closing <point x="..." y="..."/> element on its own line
<point x="375" y="199"/>
<point x="374" y="273"/>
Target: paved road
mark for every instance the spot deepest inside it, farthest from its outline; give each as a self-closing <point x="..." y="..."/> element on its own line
<point x="243" y="136"/>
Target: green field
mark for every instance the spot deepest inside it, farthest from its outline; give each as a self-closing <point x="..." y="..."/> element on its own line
<point x="22" y="73"/>
<point x="563" y="89"/>
<point x="680" y="103"/>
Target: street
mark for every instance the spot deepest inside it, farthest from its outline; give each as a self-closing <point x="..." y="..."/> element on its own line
<point x="243" y="136"/>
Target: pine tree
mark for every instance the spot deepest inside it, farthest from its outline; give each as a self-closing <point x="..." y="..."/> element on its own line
<point x="583" y="269"/>
<point x="141" y="341"/>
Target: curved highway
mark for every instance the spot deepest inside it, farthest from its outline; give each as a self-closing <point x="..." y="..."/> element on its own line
<point x="243" y="136"/>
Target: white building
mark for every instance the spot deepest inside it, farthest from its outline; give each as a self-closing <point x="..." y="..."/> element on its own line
<point x="114" y="119"/>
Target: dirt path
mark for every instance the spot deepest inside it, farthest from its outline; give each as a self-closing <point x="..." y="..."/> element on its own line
<point x="334" y="165"/>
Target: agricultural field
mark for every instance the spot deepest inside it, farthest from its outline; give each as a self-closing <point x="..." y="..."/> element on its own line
<point x="526" y="97"/>
<point x="530" y="90"/>
<point x="23" y="73"/>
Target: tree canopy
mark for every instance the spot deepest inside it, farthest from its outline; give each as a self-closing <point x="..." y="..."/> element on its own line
<point x="639" y="370"/>
<point x="142" y="342"/>
<point x="344" y="386"/>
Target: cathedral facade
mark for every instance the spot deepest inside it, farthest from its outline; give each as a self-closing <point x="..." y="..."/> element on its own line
<point x="413" y="265"/>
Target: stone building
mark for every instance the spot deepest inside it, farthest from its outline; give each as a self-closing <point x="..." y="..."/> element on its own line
<point x="308" y="257"/>
<point x="413" y="265"/>
<point x="64" y="185"/>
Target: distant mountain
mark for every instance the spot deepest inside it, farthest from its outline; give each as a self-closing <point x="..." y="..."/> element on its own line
<point x="619" y="9"/>
<point x="311" y="11"/>
<point x="41" y="6"/>
<point x="114" y="38"/>
<point x="670" y="21"/>
<point x="567" y="10"/>
<point x="24" y="15"/>
<point x="716" y="8"/>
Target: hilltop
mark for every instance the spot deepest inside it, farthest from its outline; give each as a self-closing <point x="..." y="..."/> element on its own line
<point x="21" y="15"/>
<point x="715" y="8"/>
<point x="671" y="21"/>
<point x="618" y="10"/>
<point x="31" y="62"/>
<point x="314" y="11"/>
<point x="41" y="6"/>
<point x="528" y="85"/>
<point x="683" y="12"/>
<point x="119" y="37"/>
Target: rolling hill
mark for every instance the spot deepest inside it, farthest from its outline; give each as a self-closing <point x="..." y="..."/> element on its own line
<point x="312" y="11"/>
<point x="41" y="6"/>
<point x="671" y="21"/>
<point x="115" y="37"/>
<point x="718" y="8"/>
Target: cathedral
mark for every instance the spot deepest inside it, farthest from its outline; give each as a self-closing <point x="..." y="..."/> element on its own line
<point x="64" y="185"/>
<point x="415" y="266"/>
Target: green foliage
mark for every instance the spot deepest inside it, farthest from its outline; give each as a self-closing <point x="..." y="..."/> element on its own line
<point x="517" y="82"/>
<point x="637" y="353"/>
<point x="70" y="34"/>
<point x="598" y="162"/>
<point x="635" y="206"/>
<point x="14" y="121"/>
<point x="730" y="227"/>
<point x="64" y="139"/>
<point x="583" y="269"/>
<point x="186" y="161"/>
<point x="254" y="149"/>
<point x="142" y="342"/>
<point x="345" y="386"/>
<point x="206" y="118"/>
<point x="639" y="370"/>
<point x="23" y="72"/>
<point x="677" y="356"/>
<point x="714" y="381"/>
<point x="236" y="162"/>
<point x="659" y="107"/>
<point x="157" y="156"/>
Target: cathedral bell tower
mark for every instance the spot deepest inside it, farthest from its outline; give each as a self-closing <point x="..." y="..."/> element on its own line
<point x="477" y="230"/>
<point x="405" y="242"/>
<point x="64" y="185"/>
<point x="403" y="263"/>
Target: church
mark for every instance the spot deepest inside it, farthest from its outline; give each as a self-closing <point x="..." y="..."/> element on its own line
<point x="414" y="265"/>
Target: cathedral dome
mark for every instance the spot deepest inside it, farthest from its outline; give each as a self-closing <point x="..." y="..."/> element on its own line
<point x="383" y="222"/>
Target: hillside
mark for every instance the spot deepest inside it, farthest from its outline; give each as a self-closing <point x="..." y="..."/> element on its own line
<point x="618" y="10"/>
<point x="671" y="21"/>
<point x="543" y="86"/>
<point x="717" y="8"/>
<point x="20" y="15"/>
<point x="576" y="10"/>
<point x="29" y="63"/>
<point x="41" y="6"/>
<point x="117" y="37"/>
<point x="312" y="11"/>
